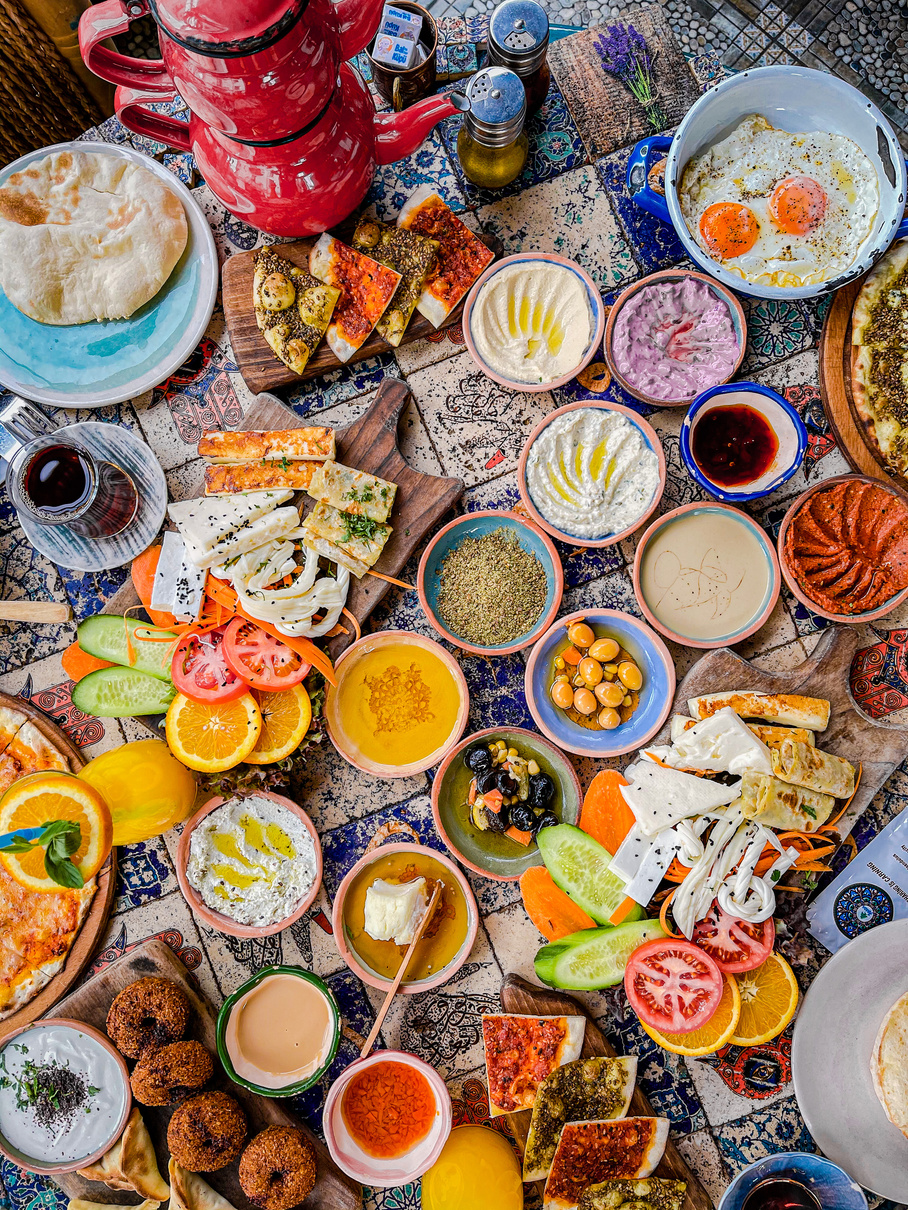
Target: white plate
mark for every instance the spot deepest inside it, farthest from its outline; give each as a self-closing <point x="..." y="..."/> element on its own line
<point x="833" y="1043"/>
<point x="94" y="364"/>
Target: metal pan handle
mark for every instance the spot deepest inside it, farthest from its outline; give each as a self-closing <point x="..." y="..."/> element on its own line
<point x="638" y="167"/>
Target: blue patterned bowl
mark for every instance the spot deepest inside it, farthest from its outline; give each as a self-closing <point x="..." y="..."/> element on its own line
<point x="832" y="1187"/>
<point x="654" y="661"/>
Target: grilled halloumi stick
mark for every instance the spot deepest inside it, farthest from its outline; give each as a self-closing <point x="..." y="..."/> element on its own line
<point x="294" y="445"/>
<point x="780" y="709"/>
<point x="259" y="476"/>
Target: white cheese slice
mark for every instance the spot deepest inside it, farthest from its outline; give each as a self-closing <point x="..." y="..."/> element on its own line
<point x="660" y="797"/>
<point x="393" y="910"/>
<point x="273" y="525"/>
<point x="631" y="852"/>
<point x="645" y="882"/>
<point x="210" y="520"/>
<point x="189" y="591"/>
<point x="165" y="576"/>
<point x="722" y="743"/>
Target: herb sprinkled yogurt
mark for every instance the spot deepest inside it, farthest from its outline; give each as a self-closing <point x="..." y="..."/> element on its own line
<point x="63" y="1094"/>
<point x="252" y="860"/>
<point x="591" y="474"/>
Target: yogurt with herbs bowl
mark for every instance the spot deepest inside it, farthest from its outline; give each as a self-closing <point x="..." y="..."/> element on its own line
<point x="673" y="335"/>
<point x="64" y="1096"/>
<point x="591" y="474"/>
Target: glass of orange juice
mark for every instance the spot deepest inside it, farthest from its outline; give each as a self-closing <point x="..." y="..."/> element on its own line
<point x="477" y="1167"/>
<point x="145" y="786"/>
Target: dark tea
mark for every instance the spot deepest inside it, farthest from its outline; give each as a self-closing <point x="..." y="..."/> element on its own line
<point x="58" y="480"/>
<point x="780" y="1193"/>
<point x="62" y="484"/>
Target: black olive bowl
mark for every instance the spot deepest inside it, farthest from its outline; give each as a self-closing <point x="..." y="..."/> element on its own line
<point x="495" y="854"/>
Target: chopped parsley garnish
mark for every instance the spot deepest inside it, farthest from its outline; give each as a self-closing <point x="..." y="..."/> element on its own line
<point x="363" y="495"/>
<point x="363" y="528"/>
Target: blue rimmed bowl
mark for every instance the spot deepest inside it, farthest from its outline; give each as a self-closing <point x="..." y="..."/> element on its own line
<point x="597" y="311"/>
<point x="657" y="692"/>
<point x="778" y="414"/>
<point x="475" y="525"/>
<point x="833" y="1188"/>
<point x="94" y="364"/>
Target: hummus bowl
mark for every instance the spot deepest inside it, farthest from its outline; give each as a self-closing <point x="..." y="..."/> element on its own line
<point x="849" y="538"/>
<point x="651" y="656"/>
<point x="217" y="920"/>
<point x="637" y="482"/>
<point x="528" y="276"/>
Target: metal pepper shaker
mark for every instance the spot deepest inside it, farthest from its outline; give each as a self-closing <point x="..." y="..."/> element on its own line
<point x="491" y="144"/>
<point x="519" y="40"/>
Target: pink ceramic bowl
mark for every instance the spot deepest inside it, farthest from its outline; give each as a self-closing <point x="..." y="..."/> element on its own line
<point x="334" y="723"/>
<point x="766" y="606"/>
<point x="43" y="1167"/>
<point x="850" y="619"/>
<point x="350" y="1157"/>
<point x="351" y="958"/>
<point x="594" y="298"/>
<point x="216" y="920"/>
<point x="649" y="436"/>
<point x="721" y="292"/>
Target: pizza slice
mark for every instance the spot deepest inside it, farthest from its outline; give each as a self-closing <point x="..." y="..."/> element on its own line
<point x="366" y="288"/>
<point x="521" y="1051"/>
<point x="658" y="1193"/>
<point x="410" y="255"/>
<point x="19" y="981"/>
<point x="592" y="1152"/>
<point x="292" y="308"/>
<point x="29" y="752"/>
<point x="461" y="256"/>
<point x="11" y="722"/>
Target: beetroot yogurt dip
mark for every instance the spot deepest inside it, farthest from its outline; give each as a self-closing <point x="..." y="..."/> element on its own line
<point x="674" y="339"/>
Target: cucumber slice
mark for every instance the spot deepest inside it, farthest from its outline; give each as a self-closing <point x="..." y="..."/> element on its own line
<point x="104" y="636"/>
<point x="593" y="958"/>
<point x="580" y="866"/>
<point x="119" y="692"/>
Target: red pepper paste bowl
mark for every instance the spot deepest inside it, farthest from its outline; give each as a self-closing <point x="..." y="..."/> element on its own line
<point x="386" y="1173"/>
<point x="850" y="529"/>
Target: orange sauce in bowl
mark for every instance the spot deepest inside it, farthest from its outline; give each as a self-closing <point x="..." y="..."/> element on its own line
<point x="388" y="1108"/>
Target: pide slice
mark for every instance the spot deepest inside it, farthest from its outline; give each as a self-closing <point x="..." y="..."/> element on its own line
<point x="521" y="1051"/>
<point x="656" y="1193"/>
<point x="591" y="1152"/>
<point x="889" y="1064"/>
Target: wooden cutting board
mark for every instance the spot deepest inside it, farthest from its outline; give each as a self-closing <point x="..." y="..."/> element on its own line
<point x="95" y="922"/>
<point x="261" y="370"/>
<point x="370" y="444"/>
<point x="333" y="1191"/>
<point x="520" y="996"/>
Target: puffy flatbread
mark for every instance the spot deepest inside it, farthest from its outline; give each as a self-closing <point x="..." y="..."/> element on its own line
<point x="585" y="1090"/>
<point x="354" y="542"/>
<point x="189" y="1192"/>
<point x="780" y="709"/>
<point x="353" y="491"/>
<point x="521" y="1050"/>
<point x="805" y="766"/>
<point x="87" y="236"/>
<point x="292" y="308"/>
<point x="889" y="1064"/>
<point x="592" y="1152"/>
<point x="366" y="288"/>
<point x="655" y="1193"/>
<point x="776" y="804"/>
<point x="410" y="255"/>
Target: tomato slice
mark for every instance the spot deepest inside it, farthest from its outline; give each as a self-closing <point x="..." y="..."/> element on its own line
<point x="734" y="945"/>
<point x="200" y="672"/>
<point x="673" y="986"/>
<point x="263" y="661"/>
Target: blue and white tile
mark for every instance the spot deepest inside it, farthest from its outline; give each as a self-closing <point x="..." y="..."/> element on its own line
<point x="144" y="873"/>
<point x="87" y="591"/>
<point x="655" y="244"/>
<point x="496" y="691"/>
<point x="392" y="184"/>
<point x="26" y="575"/>
<point x="763" y="1132"/>
<point x="719" y="1103"/>
<point x="776" y="329"/>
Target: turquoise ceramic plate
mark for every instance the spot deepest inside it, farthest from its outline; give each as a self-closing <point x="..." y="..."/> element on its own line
<point x="497" y="856"/>
<point x="94" y="364"/>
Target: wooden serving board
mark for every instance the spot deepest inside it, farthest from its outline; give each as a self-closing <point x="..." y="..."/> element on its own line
<point x="836" y="356"/>
<point x="333" y="1191"/>
<point x="95" y="922"/>
<point x="520" y="996"/>
<point x="261" y="370"/>
<point x="370" y="444"/>
<point x="879" y="747"/>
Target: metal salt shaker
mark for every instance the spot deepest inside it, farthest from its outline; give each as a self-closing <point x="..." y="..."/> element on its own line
<point x="519" y="40"/>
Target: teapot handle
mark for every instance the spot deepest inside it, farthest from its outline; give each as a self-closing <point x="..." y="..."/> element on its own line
<point x="100" y="22"/>
<point x="129" y="108"/>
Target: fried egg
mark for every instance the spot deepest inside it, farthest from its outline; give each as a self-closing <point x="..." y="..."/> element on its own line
<point x="780" y="209"/>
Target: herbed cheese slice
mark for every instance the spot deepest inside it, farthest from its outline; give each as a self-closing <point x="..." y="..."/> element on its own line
<point x="205" y="522"/>
<point x="265" y="529"/>
<point x="660" y="797"/>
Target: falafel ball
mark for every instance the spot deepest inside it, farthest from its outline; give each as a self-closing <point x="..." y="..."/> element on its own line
<point x="207" y="1132"/>
<point x="149" y="1012"/>
<point x="170" y="1073"/>
<point x="278" y="1169"/>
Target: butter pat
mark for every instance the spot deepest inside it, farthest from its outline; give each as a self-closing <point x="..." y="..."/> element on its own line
<point x="399" y="23"/>
<point x="393" y="910"/>
<point x="394" y="52"/>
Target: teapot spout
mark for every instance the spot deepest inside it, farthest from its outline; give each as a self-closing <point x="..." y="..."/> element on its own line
<point x="399" y="134"/>
<point x="357" y="21"/>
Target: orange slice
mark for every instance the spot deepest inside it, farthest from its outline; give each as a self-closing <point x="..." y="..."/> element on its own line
<point x="214" y="736"/>
<point x="286" y="716"/>
<point x="769" y="997"/>
<point x="43" y="798"/>
<point x="716" y="1033"/>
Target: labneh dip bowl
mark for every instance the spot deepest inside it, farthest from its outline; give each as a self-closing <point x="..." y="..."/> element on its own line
<point x="217" y="920"/>
<point x="850" y="619"/>
<point x="721" y="294"/>
<point x="597" y="318"/>
<point x="650" y="439"/>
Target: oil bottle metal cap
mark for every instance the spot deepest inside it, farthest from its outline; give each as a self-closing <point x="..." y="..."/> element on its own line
<point x="498" y="106"/>
<point x="518" y="36"/>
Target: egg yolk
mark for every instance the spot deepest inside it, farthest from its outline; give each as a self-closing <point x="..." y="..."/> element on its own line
<point x="797" y="205"/>
<point x="729" y="229"/>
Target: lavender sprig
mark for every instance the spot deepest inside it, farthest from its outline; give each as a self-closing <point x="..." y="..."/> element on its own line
<point x="624" y="53"/>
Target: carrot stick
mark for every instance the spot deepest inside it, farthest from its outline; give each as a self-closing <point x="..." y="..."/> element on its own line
<point x="390" y="579"/>
<point x="78" y="663"/>
<point x="605" y="815"/>
<point x="553" y="912"/>
<point x="622" y="911"/>
<point x="663" y="916"/>
<point x="357" y="629"/>
<point x="143" y="570"/>
<point x="676" y="872"/>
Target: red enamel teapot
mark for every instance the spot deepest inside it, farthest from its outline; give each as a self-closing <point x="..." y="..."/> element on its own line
<point x="309" y="181"/>
<point x="256" y="69"/>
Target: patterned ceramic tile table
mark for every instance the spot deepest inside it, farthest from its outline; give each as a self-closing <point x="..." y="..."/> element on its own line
<point x="727" y="1110"/>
